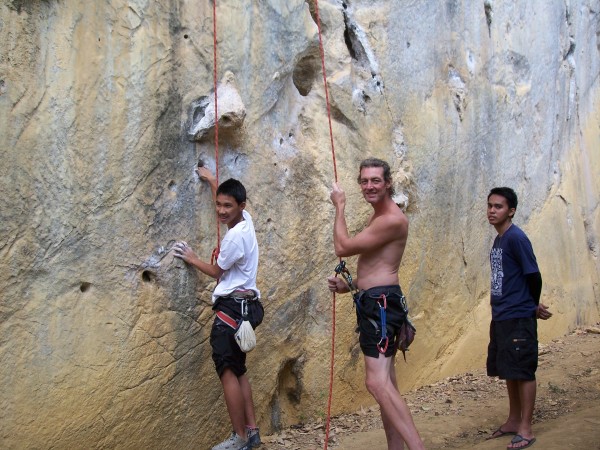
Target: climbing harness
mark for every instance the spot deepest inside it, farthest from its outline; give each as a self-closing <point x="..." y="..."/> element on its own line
<point x="343" y="271"/>
<point x="244" y="333"/>
<point x="406" y="332"/>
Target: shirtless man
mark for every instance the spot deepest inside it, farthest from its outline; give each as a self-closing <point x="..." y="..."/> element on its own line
<point x="380" y="246"/>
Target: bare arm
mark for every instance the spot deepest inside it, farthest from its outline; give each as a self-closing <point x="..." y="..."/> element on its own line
<point x="381" y="231"/>
<point x="340" y="229"/>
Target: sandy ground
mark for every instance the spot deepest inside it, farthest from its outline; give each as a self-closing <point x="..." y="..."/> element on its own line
<point x="460" y="412"/>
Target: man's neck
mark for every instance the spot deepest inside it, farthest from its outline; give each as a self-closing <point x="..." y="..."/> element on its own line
<point x="382" y="206"/>
<point x="237" y="220"/>
<point x="501" y="228"/>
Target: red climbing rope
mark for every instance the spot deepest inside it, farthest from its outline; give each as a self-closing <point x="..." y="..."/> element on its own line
<point x="322" y="54"/>
<point x="215" y="252"/>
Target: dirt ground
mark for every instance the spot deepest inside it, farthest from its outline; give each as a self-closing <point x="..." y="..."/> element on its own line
<point x="460" y="412"/>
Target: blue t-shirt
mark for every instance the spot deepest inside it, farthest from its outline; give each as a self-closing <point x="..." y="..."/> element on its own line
<point x="511" y="259"/>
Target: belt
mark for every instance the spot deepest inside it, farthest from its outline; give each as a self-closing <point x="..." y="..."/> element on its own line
<point x="243" y="294"/>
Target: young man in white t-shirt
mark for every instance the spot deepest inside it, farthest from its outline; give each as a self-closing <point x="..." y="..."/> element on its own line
<point x="236" y="268"/>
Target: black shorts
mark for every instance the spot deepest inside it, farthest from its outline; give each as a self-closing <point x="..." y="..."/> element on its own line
<point x="226" y="352"/>
<point x="368" y="319"/>
<point x="513" y="349"/>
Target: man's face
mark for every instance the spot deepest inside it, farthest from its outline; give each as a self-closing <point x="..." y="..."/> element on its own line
<point x="229" y="211"/>
<point x="373" y="185"/>
<point x="498" y="211"/>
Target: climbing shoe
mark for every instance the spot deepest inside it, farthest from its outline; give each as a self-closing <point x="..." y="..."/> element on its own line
<point x="253" y="436"/>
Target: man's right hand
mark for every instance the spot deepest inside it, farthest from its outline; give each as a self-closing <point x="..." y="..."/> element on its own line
<point x="337" y="196"/>
<point x="205" y="174"/>
<point x="337" y="285"/>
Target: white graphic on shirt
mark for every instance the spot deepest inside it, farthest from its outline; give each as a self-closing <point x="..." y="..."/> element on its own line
<point x="497" y="272"/>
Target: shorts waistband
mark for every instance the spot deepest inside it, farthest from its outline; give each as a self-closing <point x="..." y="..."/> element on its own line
<point x="377" y="290"/>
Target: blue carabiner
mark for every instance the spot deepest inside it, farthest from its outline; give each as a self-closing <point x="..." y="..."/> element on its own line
<point x="383" y="318"/>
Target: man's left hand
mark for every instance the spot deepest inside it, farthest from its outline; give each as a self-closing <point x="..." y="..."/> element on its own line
<point x="542" y="312"/>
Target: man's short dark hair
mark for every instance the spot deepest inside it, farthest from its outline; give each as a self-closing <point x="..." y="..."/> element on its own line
<point x="376" y="162"/>
<point x="508" y="194"/>
<point x="233" y="188"/>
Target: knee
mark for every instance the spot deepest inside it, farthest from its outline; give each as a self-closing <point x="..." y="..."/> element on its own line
<point x="375" y="386"/>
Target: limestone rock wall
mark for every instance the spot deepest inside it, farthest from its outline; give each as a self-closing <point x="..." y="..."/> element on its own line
<point x="103" y="117"/>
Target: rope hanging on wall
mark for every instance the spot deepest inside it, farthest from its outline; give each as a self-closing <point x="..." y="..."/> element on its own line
<point x="215" y="252"/>
<point x="322" y="54"/>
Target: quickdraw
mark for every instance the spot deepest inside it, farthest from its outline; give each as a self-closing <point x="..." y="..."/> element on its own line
<point x="382" y="316"/>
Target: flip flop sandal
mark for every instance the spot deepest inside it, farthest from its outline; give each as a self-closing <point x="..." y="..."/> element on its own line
<point x="501" y="433"/>
<point x="518" y="438"/>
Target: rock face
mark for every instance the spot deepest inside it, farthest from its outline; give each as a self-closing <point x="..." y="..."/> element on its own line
<point x="104" y="336"/>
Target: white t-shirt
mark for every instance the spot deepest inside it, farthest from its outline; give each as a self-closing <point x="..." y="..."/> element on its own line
<point x="238" y="257"/>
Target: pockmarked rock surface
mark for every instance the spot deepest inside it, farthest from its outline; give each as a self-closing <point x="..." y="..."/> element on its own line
<point x="105" y="110"/>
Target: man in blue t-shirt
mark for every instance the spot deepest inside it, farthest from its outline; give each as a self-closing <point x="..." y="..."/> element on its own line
<point x="516" y="285"/>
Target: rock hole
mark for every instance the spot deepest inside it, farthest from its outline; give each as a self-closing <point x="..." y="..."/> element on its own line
<point x="306" y="71"/>
<point x="287" y="397"/>
<point x="407" y="44"/>
<point x="280" y="141"/>
<point x="348" y="42"/>
<point x="199" y="108"/>
<point x="148" y="276"/>
<point x="85" y="286"/>
<point x="487" y="6"/>
<point x="571" y="49"/>
<point x="354" y="44"/>
<point x="185" y="36"/>
<point x="172" y="186"/>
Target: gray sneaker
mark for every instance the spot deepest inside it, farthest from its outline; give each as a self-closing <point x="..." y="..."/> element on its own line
<point x="233" y="442"/>
<point x="253" y="439"/>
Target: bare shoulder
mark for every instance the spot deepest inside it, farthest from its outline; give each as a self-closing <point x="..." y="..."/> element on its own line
<point x="393" y="218"/>
<point x="395" y="214"/>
